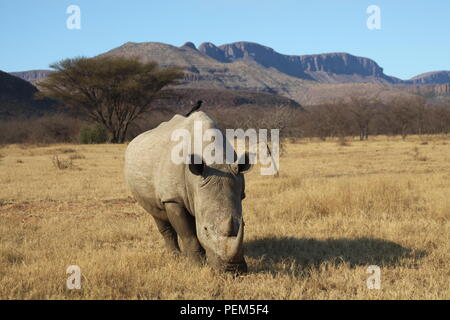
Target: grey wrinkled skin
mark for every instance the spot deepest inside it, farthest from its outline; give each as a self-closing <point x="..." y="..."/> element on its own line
<point x="200" y="204"/>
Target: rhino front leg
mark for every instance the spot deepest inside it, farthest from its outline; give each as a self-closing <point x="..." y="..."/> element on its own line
<point x="184" y="225"/>
<point x="169" y="234"/>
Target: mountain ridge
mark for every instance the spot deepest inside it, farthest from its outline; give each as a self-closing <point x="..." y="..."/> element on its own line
<point x="249" y="66"/>
<point x="329" y="67"/>
<point x="309" y="67"/>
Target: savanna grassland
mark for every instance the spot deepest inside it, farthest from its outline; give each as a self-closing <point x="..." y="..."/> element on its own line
<point x="311" y="232"/>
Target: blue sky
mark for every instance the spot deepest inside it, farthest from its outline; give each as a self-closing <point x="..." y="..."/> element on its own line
<point x="414" y="36"/>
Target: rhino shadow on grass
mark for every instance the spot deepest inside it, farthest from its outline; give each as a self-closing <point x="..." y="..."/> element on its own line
<point x="304" y="253"/>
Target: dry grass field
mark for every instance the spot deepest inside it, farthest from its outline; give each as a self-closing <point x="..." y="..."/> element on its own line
<point x="311" y="233"/>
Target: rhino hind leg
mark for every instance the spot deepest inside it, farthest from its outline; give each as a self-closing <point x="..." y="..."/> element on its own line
<point x="184" y="225"/>
<point x="169" y="234"/>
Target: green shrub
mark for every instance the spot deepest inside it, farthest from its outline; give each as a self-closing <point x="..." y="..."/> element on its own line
<point x="93" y="134"/>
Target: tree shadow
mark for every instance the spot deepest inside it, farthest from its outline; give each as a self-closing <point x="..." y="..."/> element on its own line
<point x="304" y="253"/>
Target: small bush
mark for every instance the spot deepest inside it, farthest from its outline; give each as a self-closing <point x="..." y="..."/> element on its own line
<point x="62" y="163"/>
<point x="76" y="156"/>
<point x="343" y="142"/>
<point x="66" y="150"/>
<point x="417" y="156"/>
<point x="93" y="134"/>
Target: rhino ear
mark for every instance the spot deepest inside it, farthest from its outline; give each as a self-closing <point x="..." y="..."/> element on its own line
<point x="196" y="165"/>
<point x="244" y="164"/>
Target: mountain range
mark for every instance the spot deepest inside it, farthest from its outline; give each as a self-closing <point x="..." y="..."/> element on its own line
<point x="247" y="66"/>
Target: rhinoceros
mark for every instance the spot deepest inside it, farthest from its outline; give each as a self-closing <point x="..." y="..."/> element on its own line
<point x="199" y="203"/>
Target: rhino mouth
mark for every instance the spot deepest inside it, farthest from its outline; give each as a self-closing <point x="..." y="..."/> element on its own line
<point x="236" y="267"/>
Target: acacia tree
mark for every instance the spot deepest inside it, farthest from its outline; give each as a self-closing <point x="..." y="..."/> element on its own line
<point x="112" y="91"/>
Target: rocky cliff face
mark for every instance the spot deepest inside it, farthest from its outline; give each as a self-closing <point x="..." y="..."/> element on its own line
<point x="429" y="90"/>
<point x="32" y="75"/>
<point x="327" y="67"/>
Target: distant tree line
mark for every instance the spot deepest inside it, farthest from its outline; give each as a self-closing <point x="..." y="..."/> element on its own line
<point x="362" y="117"/>
<point x="357" y="117"/>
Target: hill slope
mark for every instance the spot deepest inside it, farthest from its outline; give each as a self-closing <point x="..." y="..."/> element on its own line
<point x="17" y="98"/>
<point x="435" y="77"/>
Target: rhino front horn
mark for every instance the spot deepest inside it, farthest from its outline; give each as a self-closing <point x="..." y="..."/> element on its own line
<point x="235" y="244"/>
